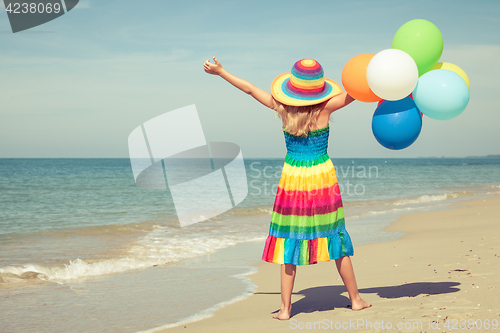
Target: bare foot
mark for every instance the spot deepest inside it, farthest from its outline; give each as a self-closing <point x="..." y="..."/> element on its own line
<point x="360" y="304"/>
<point x="283" y="314"/>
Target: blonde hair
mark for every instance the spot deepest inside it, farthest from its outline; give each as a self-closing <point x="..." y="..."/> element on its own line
<point x="299" y="120"/>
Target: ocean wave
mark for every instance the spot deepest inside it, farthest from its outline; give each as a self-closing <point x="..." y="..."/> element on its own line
<point x="75" y="269"/>
<point x="163" y="245"/>
<point x="432" y="198"/>
<point x="79" y="269"/>
<point x="250" y="211"/>
<point x="110" y="230"/>
<point x="107" y="229"/>
<point x="394" y="210"/>
<point x="362" y="209"/>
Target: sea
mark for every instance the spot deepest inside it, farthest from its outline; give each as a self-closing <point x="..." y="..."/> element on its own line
<point x="84" y="249"/>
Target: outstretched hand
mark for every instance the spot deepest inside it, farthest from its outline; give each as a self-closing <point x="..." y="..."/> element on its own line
<point x="245" y="86"/>
<point x="213" y="69"/>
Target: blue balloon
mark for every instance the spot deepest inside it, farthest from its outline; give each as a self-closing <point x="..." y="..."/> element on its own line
<point x="441" y="94"/>
<point x="397" y="124"/>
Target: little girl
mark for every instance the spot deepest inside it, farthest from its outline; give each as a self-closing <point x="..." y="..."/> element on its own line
<point x="307" y="223"/>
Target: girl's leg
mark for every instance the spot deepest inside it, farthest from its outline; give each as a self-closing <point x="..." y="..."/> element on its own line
<point x="344" y="266"/>
<point x="287" y="280"/>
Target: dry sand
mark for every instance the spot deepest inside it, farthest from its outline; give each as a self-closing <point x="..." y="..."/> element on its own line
<point x="446" y="269"/>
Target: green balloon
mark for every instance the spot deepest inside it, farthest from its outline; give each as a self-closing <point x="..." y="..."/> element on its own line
<point x="422" y="40"/>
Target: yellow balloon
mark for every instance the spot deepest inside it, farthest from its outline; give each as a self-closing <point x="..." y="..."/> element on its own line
<point x="453" y="68"/>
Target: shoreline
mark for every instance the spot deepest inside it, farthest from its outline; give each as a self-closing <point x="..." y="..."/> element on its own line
<point x="430" y="243"/>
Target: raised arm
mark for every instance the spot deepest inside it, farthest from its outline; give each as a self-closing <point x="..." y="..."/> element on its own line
<point x="245" y="86"/>
<point x="338" y="102"/>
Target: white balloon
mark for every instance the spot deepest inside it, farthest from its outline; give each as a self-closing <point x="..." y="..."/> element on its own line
<point x="392" y="74"/>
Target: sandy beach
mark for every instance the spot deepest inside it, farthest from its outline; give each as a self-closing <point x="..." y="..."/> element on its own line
<point x="441" y="276"/>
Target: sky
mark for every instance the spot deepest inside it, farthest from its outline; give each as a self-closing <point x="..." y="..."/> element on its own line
<point x="78" y="85"/>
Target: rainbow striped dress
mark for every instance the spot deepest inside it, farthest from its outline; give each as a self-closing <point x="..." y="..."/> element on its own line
<point x="307" y="223"/>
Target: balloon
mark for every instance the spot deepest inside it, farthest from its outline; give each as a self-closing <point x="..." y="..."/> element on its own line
<point x="397" y="124"/>
<point x="422" y="40"/>
<point x="392" y="74"/>
<point x="354" y="79"/>
<point x="453" y="68"/>
<point x="411" y="96"/>
<point x="441" y="94"/>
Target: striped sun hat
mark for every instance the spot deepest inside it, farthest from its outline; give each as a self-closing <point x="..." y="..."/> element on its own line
<point x="305" y="85"/>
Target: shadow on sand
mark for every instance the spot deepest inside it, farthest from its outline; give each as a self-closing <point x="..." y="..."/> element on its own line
<point x="327" y="298"/>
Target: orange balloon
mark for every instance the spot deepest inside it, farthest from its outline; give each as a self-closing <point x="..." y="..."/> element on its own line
<point x="354" y="78"/>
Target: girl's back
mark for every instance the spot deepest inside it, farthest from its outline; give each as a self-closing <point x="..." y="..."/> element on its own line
<point x="307" y="223"/>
